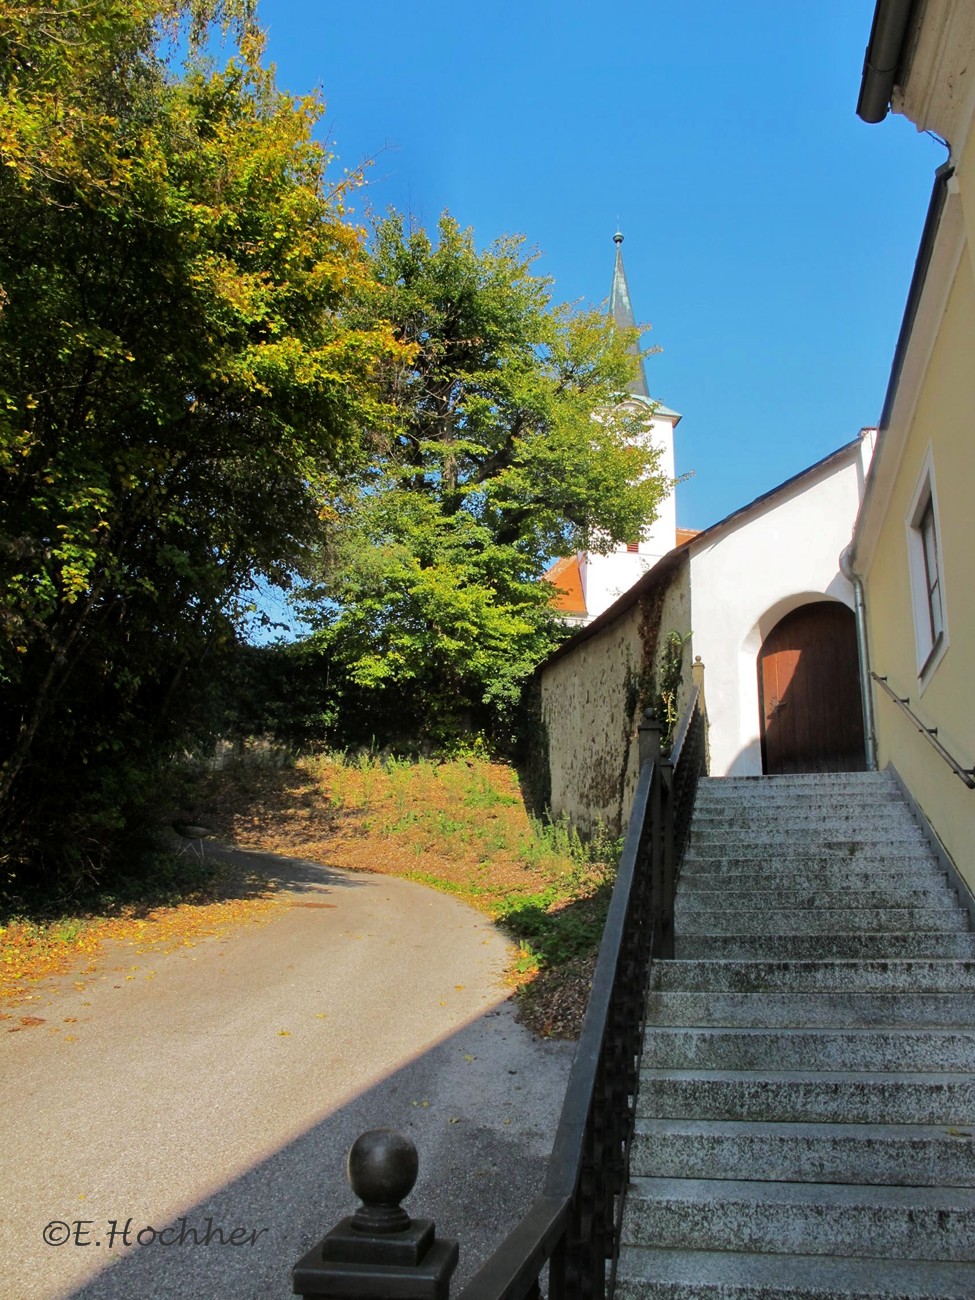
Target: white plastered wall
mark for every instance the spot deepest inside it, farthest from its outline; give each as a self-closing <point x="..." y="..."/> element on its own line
<point x="748" y="575"/>
<point x="606" y="577"/>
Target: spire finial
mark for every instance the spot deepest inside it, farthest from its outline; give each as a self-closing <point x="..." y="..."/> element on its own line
<point x="622" y="313"/>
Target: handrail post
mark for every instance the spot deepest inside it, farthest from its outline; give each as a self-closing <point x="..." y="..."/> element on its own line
<point x="697" y="675"/>
<point x="665" y="947"/>
<point x="648" y="737"/>
<point x="649" y="740"/>
<point x="379" y="1252"/>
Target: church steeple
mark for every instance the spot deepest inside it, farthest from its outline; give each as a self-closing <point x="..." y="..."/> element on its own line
<point x="621" y="311"/>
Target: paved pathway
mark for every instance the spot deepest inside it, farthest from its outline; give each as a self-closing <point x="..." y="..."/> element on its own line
<point x="223" y="1084"/>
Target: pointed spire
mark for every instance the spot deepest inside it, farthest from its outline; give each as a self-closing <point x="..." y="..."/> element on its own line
<point x="622" y="313"/>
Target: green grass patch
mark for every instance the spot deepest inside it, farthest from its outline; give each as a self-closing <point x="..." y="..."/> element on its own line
<point x="458" y="825"/>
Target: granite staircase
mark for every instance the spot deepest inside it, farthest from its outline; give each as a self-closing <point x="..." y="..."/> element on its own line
<point x="806" y="1114"/>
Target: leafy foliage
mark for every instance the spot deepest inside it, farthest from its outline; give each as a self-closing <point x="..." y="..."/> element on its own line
<point x="178" y="381"/>
<point x="671" y="678"/>
<point x="513" y="444"/>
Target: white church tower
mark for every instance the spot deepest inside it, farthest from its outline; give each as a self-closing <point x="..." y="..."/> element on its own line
<point x="591" y="583"/>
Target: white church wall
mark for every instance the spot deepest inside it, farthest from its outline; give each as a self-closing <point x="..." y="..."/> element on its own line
<point x="606" y="577"/>
<point x="661" y="536"/>
<point x="745" y="578"/>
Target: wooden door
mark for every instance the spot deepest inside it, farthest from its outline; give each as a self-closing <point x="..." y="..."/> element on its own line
<point x="809" y="692"/>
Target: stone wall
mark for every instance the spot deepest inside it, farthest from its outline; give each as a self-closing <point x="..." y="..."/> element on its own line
<point x="593" y="692"/>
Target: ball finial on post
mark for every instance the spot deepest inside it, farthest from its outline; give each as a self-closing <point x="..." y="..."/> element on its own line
<point x="379" y="1253"/>
<point x="382" y="1168"/>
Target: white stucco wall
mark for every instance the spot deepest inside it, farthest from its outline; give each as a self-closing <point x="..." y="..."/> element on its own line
<point x="606" y="577"/>
<point x="747" y="575"/>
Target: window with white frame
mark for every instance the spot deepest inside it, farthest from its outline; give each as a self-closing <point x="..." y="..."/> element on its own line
<point x="926" y="568"/>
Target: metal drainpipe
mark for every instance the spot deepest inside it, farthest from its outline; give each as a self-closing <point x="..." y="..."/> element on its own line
<point x="866" y="691"/>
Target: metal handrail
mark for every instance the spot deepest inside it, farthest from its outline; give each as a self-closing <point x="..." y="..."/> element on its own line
<point x="684" y="727"/>
<point x="573" y="1225"/>
<point x="930" y="734"/>
<point x="513" y="1269"/>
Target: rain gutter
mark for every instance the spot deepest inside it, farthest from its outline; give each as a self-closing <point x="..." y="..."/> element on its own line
<point x="882" y="59"/>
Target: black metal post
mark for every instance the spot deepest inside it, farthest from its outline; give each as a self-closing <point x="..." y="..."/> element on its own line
<point x="649" y="744"/>
<point x="379" y="1253"/>
<point x="668" y="873"/>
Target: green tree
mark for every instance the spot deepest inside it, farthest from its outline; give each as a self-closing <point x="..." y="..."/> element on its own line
<point x="514" y="443"/>
<point x="179" y="379"/>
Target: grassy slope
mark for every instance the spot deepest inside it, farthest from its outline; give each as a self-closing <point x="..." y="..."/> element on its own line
<point x="460" y="826"/>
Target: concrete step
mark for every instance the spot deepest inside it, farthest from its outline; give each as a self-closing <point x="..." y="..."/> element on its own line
<point x="812" y="1010"/>
<point x="785" y="814"/>
<point x="825" y="836"/>
<point x="713" y="1275"/>
<point x="784" y="1218"/>
<point x="817" y="976"/>
<point x="732" y="920"/>
<point x="786" y="804"/>
<point x="693" y="897"/>
<point x="808" y="947"/>
<point x="898" y="856"/>
<point x="903" y="873"/>
<point x="798" y="783"/>
<point x="722" y="1048"/>
<point x="808" y="1096"/>
<point x="806" y="1109"/>
<point x="748" y="789"/>
<point x="903" y="1155"/>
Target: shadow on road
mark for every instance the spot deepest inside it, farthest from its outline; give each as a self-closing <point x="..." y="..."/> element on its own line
<point x="283" y="874"/>
<point x="481" y="1107"/>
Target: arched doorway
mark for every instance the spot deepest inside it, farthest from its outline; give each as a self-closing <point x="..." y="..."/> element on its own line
<point x="809" y="692"/>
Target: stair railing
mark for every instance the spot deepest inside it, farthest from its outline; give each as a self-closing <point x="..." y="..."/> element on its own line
<point x="573" y="1227"/>
<point x="930" y="734"/>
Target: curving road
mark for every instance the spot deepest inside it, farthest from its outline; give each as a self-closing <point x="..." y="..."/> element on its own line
<point x="218" y="1088"/>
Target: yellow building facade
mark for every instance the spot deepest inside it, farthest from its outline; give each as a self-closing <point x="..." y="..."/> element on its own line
<point x="914" y="543"/>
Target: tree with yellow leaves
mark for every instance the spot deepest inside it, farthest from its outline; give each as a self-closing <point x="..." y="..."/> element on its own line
<point x="179" y="384"/>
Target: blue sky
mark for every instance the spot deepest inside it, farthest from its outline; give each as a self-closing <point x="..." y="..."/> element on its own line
<point x="770" y="234"/>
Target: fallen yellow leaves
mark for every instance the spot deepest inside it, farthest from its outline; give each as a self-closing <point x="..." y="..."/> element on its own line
<point x="30" y="952"/>
<point x="26" y="1022"/>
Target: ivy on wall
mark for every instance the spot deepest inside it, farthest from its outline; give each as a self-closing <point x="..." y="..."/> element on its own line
<point x="671" y="678"/>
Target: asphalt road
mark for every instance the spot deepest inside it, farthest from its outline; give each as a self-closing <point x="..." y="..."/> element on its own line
<point x="219" y="1088"/>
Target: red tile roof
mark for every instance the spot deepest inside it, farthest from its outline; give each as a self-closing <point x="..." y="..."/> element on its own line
<point x="565" y="576"/>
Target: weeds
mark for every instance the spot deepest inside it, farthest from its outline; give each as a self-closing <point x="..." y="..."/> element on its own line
<point x="458" y="825"/>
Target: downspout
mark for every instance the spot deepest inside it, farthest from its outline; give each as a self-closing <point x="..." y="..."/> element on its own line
<point x="866" y="686"/>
